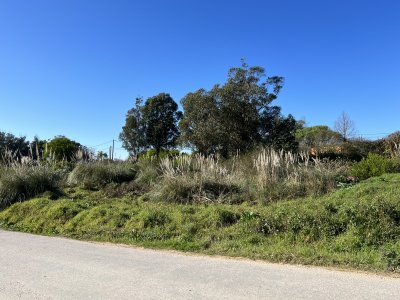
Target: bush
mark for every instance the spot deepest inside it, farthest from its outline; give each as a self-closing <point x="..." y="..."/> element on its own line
<point x="358" y="149"/>
<point x="373" y="165"/>
<point x="98" y="174"/>
<point x="22" y="182"/>
<point x="151" y="154"/>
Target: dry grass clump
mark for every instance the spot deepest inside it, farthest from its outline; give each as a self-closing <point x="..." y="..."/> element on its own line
<point x="98" y="174"/>
<point x="24" y="181"/>
<point x="273" y="175"/>
<point x="282" y="174"/>
<point x="197" y="178"/>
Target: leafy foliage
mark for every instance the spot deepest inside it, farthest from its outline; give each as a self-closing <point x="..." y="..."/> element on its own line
<point x="357" y="149"/>
<point x="277" y="131"/>
<point x="200" y="125"/>
<point x="237" y="116"/>
<point x="62" y="148"/>
<point x="373" y="165"/>
<point x="133" y="134"/>
<point x="161" y="115"/>
<point x="18" y="146"/>
<point x="151" y="154"/>
<point x="153" y="124"/>
<point x="317" y="137"/>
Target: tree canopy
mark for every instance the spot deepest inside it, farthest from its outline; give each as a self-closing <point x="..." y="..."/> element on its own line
<point x="133" y="132"/>
<point x="18" y="146"/>
<point x="317" y="137"/>
<point x="153" y="124"/>
<point x="62" y="148"/>
<point x="237" y="116"/>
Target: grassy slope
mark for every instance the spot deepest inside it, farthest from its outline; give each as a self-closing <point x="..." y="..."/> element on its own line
<point x="357" y="227"/>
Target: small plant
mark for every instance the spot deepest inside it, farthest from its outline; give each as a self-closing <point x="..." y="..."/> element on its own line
<point x="392" y="258"/>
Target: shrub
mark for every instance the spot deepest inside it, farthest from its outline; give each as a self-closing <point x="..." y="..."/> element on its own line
<point x="98" y="174"/>
<point x="358" y="149"/>
<point x="373" y="165"/>
<point x="151" y="154"/>
<point x="19" y="183"/>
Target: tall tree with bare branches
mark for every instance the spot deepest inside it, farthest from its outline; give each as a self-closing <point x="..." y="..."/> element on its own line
<point x="345" y="126"/>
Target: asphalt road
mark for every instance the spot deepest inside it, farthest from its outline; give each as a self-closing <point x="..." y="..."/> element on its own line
<point x="37" y="267"/>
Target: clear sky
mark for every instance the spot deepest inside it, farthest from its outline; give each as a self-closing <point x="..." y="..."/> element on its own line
<point x="74" y="67"/>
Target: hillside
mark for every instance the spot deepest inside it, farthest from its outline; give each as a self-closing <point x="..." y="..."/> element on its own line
<point x="354" y="227"/>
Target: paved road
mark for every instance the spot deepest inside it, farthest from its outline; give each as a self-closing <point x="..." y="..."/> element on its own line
<point x="37" y="267"/>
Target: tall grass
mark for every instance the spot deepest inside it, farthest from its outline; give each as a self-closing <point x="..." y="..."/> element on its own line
<point x="263" y="176"/>
<point x="197" y="179"/>
<point x="97" y="174"/>
<point x="282" y="174"/>
<point x="273" y="175"/>
<point x="24" y="181"/>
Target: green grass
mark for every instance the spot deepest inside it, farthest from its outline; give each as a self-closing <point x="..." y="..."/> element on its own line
<point x="356" y="227"/>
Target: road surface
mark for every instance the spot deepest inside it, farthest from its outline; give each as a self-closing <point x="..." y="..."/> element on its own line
<point x="37" y="267"/>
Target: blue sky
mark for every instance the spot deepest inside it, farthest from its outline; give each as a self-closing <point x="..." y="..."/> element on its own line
<point x="74" y="67"/>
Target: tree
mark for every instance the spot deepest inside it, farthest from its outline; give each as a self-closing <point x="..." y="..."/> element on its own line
<point x="317" y="137"/>
<point x="160" y="117"/>
<point x="236" y="116"/>
<point x="133" y="133"/>
<point x="18" y="146"/>
<point x="153" y="124"/>
<point x="200" y="125"/>
<point x="100" y="155"/>
<point x="278" y="131"/>
<point x="345" y="126"/>
<point x="61" y="148"/>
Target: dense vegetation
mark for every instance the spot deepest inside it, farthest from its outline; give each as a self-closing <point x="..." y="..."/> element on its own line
<point x="256" y="183"/>
<point x="356" y="227"/>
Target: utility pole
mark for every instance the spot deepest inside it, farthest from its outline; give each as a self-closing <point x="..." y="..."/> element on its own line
<point x="112" y="151"/>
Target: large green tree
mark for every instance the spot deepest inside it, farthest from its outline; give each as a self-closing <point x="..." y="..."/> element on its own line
<point x="278" y="131"/>
<point x="62" y="148"/>
<point x="161" y="117"/>
<point x="200" y="125"/>
<point x="237" y="115"/>
<point x="133" y="135"/>
<point x="152" y="125"/>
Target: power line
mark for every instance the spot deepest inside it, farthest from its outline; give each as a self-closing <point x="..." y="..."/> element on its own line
<point x="382" y="133"/>
<point x="108" y="142"/>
